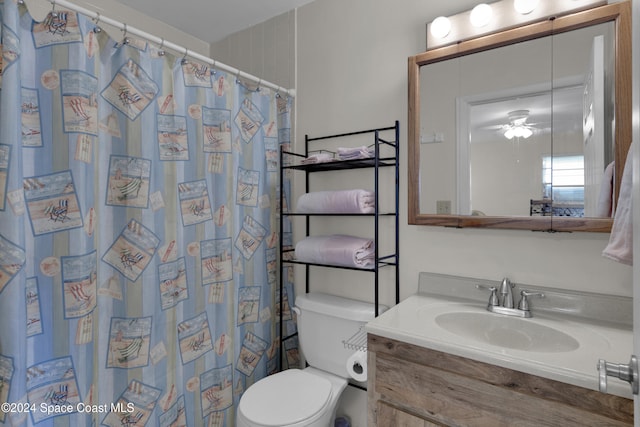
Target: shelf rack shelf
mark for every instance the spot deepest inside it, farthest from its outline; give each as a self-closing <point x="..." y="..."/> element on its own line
<point x="390" y="159"/>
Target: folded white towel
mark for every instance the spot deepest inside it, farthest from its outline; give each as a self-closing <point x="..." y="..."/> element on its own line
<point x="337" y="249"/>
<point x="620" y="247"/>
<point x="342" y="201"/>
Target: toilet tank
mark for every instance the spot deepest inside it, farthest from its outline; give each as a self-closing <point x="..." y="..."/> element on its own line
<point x="325" y="322"/>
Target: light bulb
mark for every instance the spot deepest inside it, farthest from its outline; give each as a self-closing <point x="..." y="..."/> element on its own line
<point x="518" y="132"/>
<point x="440" y="27"/>
<point x="509" y="133"/>
<point x="481" y="15"/>
<point x="524" y="7"/>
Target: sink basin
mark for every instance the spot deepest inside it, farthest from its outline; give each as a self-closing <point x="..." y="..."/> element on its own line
<point x="556" y="346"/>
<point x="507" y="332"/>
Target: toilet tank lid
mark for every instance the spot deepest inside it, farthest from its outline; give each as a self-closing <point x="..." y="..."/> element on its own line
<point x="336" y="306"/>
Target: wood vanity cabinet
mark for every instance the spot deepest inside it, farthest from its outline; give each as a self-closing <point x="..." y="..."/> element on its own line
<point x="412" y="386"/>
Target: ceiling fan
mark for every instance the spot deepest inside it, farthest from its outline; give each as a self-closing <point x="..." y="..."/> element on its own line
<point x="518" y="126"/>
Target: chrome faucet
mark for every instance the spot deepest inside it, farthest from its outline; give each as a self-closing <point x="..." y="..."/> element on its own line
<point x="504" y="304"/>
<point x="506" y="295"/>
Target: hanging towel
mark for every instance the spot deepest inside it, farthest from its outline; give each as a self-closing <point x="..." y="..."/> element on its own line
<point x="343" y="201"/>
<point x="605" y="198"/>
<point x="337" y="249"/>
<point x="620" y="247"/>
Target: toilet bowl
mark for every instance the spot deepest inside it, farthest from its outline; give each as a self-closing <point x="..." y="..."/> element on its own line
<point x="292" y="398"/>
<point x="309" y="397"/>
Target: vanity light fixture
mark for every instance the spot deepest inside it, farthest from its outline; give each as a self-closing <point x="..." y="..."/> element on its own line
<point x="525" y="7"/>
<point x="440" y="27"/>
<point x="481" y="15"/>
<point x="498" y="16"/>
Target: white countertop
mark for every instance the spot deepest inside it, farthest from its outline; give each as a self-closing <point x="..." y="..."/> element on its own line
<point x="413" y="321"/>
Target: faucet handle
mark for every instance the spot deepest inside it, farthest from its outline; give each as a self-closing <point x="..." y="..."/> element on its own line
<point x="493" y="298"/>
<point x="524" y="302"/>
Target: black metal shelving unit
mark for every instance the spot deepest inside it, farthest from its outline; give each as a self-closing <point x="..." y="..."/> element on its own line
<point x="390" y="159"/>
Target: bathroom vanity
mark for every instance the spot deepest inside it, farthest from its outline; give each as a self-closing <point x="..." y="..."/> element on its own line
<point x="417" y="386"/>
<point x="444" y="360"/>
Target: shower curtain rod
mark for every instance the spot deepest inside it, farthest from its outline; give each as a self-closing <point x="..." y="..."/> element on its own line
<point x="97" y="18"/>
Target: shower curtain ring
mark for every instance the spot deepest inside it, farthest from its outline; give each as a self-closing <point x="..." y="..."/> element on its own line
<point x="53" y="9"/>
<point x="125" y="39"/>
<point x="213" y="68"/>
<point x="96" y="20"/>
<point x="238" y="77"/>
<point x="259" y="83"/>
<point x="161" y="51"/>
<point x="184" y="58"/>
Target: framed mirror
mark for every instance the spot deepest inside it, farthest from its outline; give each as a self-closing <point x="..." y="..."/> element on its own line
<point x="527" y="128"/>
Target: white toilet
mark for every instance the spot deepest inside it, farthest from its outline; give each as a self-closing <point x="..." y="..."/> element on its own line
<point x="309" y="397"/>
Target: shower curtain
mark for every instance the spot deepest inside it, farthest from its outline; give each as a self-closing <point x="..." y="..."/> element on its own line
<point x="138" y="230"/>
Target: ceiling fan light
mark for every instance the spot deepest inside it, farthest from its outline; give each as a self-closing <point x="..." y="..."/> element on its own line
<point x="510" y="133"/>
<point x="517" y="131"/>
<point x="526" y="132"/>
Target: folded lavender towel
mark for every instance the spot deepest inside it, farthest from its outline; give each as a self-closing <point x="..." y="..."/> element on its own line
<point x="318" y="158"/>
<point x="337" y="249"/>
<point x="342" y="201"/>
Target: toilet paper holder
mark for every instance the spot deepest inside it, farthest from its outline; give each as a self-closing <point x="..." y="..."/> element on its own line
<point x="357" y="341"/>
<point x="357" y="366"/>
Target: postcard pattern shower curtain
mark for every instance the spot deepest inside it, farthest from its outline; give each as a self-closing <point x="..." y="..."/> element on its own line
<point x="138" y="230"/>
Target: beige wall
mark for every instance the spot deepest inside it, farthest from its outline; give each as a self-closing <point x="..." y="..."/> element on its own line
<point x="352" y="74"/>
<point x="351" y="60"/>
<point x="266" y="50"/>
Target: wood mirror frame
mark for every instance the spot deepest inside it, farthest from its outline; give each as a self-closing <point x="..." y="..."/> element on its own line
<point x="620" y="14"/>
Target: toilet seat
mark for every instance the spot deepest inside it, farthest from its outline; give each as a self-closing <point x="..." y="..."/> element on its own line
<point x="286" y="398"/>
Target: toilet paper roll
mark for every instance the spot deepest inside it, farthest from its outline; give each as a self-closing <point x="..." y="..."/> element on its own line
<point x="357" y="365"/>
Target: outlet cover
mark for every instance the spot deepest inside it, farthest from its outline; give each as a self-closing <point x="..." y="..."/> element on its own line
<point x="432" y="138"/>
<point x="443" y="207"/>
